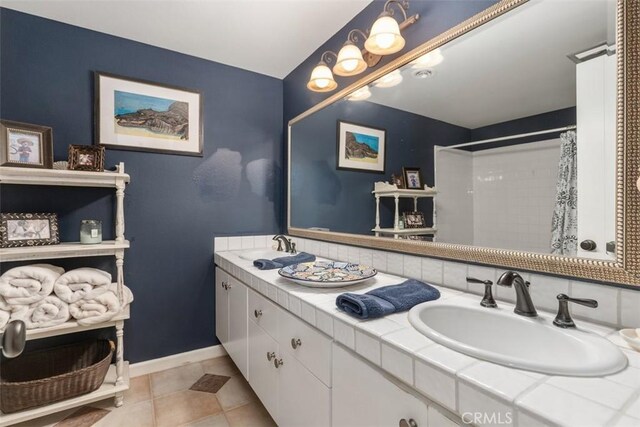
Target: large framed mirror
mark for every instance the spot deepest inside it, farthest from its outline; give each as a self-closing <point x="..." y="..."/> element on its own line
<point x="509" y="140"/>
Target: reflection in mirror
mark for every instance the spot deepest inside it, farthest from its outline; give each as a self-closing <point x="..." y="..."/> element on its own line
<point x="513" y="129"/>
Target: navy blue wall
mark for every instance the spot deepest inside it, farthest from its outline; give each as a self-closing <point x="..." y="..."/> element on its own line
<point x="341" y="200"/>
<point x="175" y="205"/>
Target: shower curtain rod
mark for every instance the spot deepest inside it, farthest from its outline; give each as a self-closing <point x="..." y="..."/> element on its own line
<point x="503" y="138"/>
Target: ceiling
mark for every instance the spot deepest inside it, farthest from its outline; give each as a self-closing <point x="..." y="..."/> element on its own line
<point x="514" y="67"/>
<point x="270" y="37"/>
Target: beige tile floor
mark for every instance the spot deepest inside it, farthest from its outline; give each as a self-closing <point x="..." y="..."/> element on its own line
<point x="163" y="399"/>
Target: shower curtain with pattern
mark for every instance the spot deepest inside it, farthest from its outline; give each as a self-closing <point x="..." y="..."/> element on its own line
<point x="564" y="226"/>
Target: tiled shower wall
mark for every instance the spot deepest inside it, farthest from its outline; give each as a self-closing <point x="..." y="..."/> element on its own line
<point x="498" y="198"/>
<point x="618" y="307"/>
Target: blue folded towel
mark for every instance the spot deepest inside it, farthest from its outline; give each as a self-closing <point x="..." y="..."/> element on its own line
<point x="270" y="264"/>
<point x="387" y="300"/>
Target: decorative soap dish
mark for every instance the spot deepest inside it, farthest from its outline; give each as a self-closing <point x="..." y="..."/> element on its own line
<point x="327" y="274"/>
<point x="632" y="337"/>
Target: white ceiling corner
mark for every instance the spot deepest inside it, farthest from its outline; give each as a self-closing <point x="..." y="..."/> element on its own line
<point x="270" y="37"/>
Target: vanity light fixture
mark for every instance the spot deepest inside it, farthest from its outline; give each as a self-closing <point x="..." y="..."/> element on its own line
<point x="360" y="94"/>
<point x="321" y="79"/>
<point x="428" y="60"/>
<point x="394" y="78"/>
<point x="383" y="39"/>
<point x="350" y="61"/>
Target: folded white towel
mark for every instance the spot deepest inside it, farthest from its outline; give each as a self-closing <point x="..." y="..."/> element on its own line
<point x="100" y="305"/>
<point x="28" y="284"/>
<point x="74" y="285"/>
<point x="49" y="312"/>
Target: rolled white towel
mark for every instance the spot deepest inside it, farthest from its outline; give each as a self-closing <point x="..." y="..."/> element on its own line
<point x="99" y="305"/>
<point x="74" y="285"/>
<point x="49" y="312"/>
<point x="10" y="312"/>
<point x="5" y="313"/>
<point x="29" y="283"/>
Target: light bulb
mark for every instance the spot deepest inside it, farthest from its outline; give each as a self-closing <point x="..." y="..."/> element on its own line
<point x="384" y="41"/>
<point x="350" y="64"/>
<point x="322" y="83"/>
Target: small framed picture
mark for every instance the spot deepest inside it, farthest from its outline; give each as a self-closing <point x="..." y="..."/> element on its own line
<point x="412" y="178"/>
<point x="414" y="220"/>
<point x="25" y="145"/>
<point x="397" y="180"/>
<point x="86" y="158"/>
<point x="28" y="229"/>
<point x="360" y="148"/>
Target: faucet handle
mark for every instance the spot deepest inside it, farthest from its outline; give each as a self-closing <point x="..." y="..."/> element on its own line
<point x="293" y="248"/>
<point x="563" y="318"/>
<point x="487" y="299"/>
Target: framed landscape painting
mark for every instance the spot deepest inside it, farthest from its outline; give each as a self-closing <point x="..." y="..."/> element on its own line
<point x="144" y="116"/>
<point x="361" y="148"/>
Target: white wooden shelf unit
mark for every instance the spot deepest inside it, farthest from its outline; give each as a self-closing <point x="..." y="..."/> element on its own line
<point x="383" y="189"/>
<point x="117" y="380"/>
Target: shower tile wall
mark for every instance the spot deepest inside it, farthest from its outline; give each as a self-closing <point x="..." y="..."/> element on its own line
<point x="513" y="196"/>
<point x="514" y="193"/>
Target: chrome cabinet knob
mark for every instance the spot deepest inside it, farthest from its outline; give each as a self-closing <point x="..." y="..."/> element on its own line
<point x="295" y="343"/>
<point x="410" y="423"/>
<point x="257" y="313"/>
<point x="270" y="355"/>
<point x="278" y="362"/>
<point x="588" y="245"/>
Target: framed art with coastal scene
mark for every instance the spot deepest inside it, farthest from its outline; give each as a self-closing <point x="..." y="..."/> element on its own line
<point x="25" y="145"/>
<point x="144" y="116"/>
<point x="360" y="148"/>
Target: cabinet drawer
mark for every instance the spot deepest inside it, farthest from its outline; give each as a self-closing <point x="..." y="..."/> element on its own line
<point x="263" y="312"/>
<point x="309" y="346"/>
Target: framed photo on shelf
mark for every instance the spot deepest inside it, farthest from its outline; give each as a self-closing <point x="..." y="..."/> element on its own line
<point x="139" y="115"/>
<point x="25" y="145"/>
<point x="28" y="229"/>
<point x="360" y="148"/>
<point x="413" y="178"/>
<point x="414" y="220"/>
<point x="86" y="158"/>
<point x="397" y="180"/>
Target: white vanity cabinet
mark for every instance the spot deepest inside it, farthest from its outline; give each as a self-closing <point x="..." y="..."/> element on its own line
<point x="231" y="319"/>
<point x="363" y="396"/>
<point x="304" y="378"/>
<point x="292" y="394"/>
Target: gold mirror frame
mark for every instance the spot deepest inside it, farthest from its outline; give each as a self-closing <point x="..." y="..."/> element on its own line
<point x="626" y="269"/>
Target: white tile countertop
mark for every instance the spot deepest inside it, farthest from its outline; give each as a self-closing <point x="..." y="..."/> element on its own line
<point x="458" y="382"/>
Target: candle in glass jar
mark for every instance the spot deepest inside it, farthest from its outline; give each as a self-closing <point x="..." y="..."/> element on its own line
<point x="90" y="231"/>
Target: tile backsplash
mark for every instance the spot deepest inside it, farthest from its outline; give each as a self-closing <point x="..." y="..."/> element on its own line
<point x="617" y="307"/>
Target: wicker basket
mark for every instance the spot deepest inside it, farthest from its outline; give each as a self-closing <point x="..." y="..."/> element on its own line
<point x="46" y="376"/>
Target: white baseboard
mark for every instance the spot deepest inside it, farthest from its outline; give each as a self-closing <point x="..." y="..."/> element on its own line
<point x="175" y="360"/>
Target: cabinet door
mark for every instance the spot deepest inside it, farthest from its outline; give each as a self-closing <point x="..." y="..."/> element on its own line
<point x="363" y="396"/>
<point x="263" y="376"/>
<point x="222" y="307"/>
<point x="303" y="399"/>
<point x="237" y="344"/>
<point x="305" y="343"/>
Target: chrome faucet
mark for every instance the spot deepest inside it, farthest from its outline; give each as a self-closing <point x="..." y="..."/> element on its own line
<point x="524" y="305"/>
<point x="281" y="239"/>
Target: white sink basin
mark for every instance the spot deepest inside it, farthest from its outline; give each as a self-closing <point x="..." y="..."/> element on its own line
<point x="498" y="335"/>
<point x="263" y="254"/>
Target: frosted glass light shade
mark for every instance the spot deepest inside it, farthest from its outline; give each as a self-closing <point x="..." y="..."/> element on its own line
<point x="349" y="62"/>
<point x="321" y="79"/>
<point x="430" y="59"/>
<point x="385" y="37"/>
<point x="360" y="94"/>
<point x="389" y="80"/>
